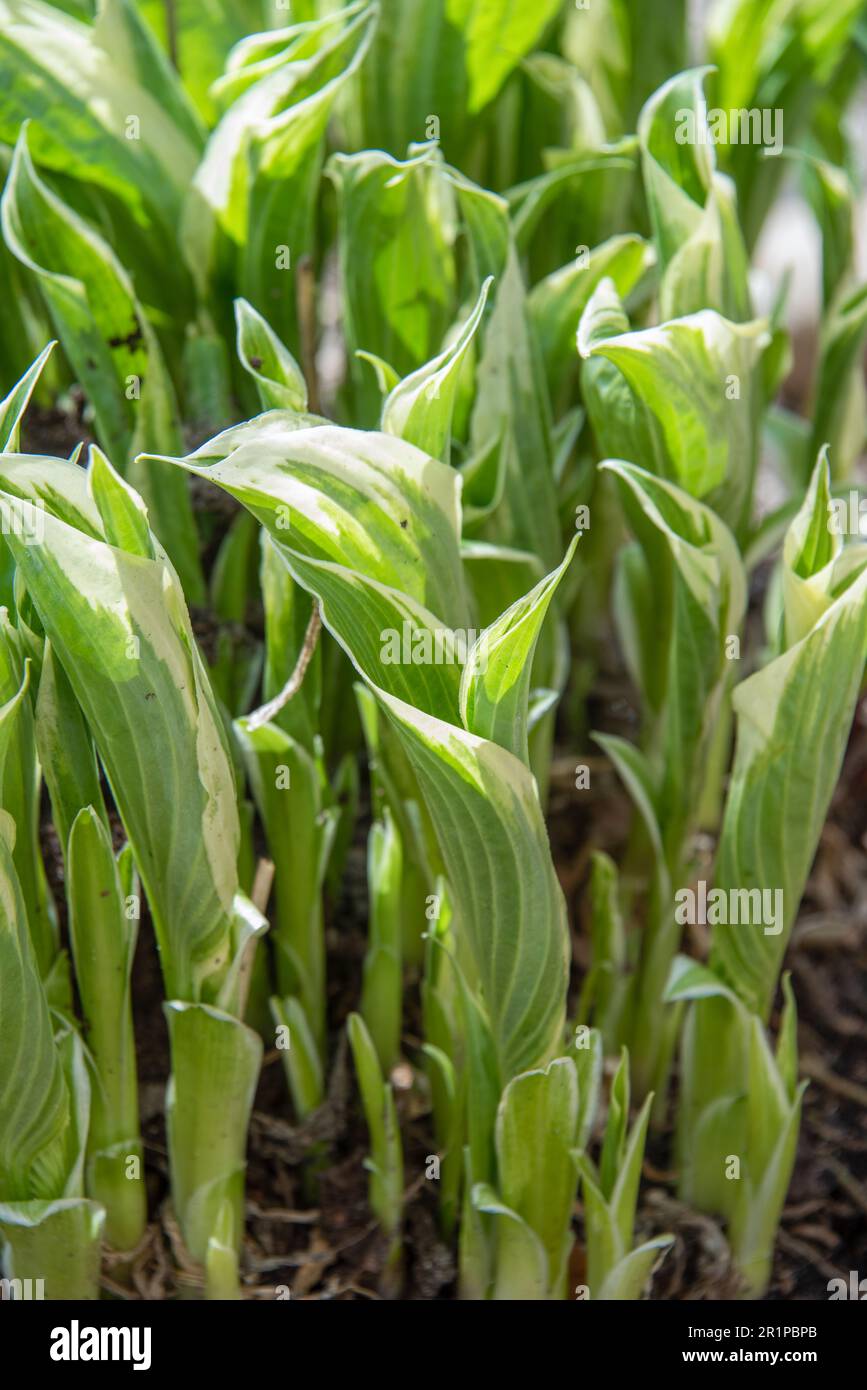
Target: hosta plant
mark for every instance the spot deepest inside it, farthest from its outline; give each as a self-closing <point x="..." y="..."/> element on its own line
<point x="396" y="409"/>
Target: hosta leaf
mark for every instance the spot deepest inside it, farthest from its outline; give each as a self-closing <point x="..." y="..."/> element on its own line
<point x="773" y="1122"/>
<point x="536" y="1124"/>
<point x="382" y="985"/>
<point x="693" y="208"/>
<point x="289" y="792"/>
<point x="200" y="37"/>
<point x="606" y="984"/>
<point x="250" y="211"/>
<point x="521" y="1261"/>
<point x="103" y="936"/>
<point x="495" y="686"/>
<point x="279" y="380"/>
<point x="442" y="56"/>
<point x="392" y="639"/>
<point x="301" y="1060"/>
<point x="693" y="580"/>
<point x="396" y="230"/>
<point x="20" y="785"/>
<point x="14" y="405"/>
<point x="589" y="1060"/>
<point x="571" y="176"/>
<point x="816" y="566"/>
<point x="492" y="836"/>
<point x="362" y="500"/>
<point x="419" y="409"/>
<point x="377" y="1098"/>
<point x="832" y="197"/>
<point x="482" y="801"/>
<point x="215" y="1067"/>
<point x="696" y="377"/>
<point x="109" y="342"/>
<point x="794" y="718"/>
<point x="34" y="1233"/>
<point x="497" y="36"/>
<point x="512" y="405"/>
<point x="34" y="1106"/>
<point x="628" y="1279"/>
<point x="840" y="413"/>
<point x="616" y="1129"/>
<point x="557" y="302"/>
<point x="772" y="57"/>
<point x="119" y="625"/>
<point x="287" y="616"/>
<point x="81" y="83"/>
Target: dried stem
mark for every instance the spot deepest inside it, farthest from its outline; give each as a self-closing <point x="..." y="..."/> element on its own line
<point x="267" y="712"/>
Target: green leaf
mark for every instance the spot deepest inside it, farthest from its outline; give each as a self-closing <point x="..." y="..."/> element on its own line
<point x="386" y="1164"/>
<point x="20" y="785"/>
<point x="420" y="407"/>
<point x="301" y="1061"/>
<point x="492" y="836"/>
<point x="629" y="1277"/>
<point x="840" y="409"/>
<point x="512" y="405"/>
<point x="65" y="748"/>
<point x="396" y="234"/>
<point x="521" y="1261"/>
<point x="215" y="1067"/>
<point x="691" y="580"/>
<point x="536" y="1124"/>
<point x="119" y="625"/>
<point x="81" y="83"/>
<point x="34" y="1105"/>
<point x="55" y="1241"/>
<point x="103" y="935"/>
<point x="588" y="1063"/>
<point x="483" y="803"/>
<point x="793" y="722"/>
<point x="609" y="960"/>
<point x="832" y="198"/>
<point x="279" y="380"/>
<point x="109" y="342"/>
<point x="814" y="561"/>
<point x="13" y="406"/>
<point x="250" y="212"/>
<point x="288" y="788"/>
<point x="557" y="302"/>
<point x="495" y="686"/>
<point x="382" y="985"/>
<point x="366" y="501"/>
<point x="201" y="38"/>
<point x="696" y="377"/>
<point x="693" y="208"/>
<point x="442" y="56"/>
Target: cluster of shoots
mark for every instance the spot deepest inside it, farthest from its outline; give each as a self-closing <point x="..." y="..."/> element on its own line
<point x="463" y="460"/>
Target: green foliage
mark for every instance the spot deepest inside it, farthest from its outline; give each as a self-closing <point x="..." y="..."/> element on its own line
<point x="460" y="475"/>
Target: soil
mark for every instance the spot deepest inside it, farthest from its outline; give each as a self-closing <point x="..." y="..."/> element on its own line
<point x="312" y="1236"/>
